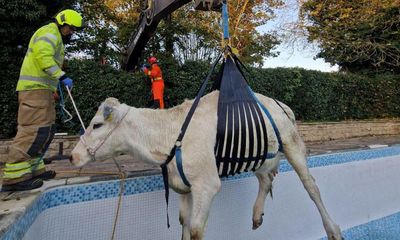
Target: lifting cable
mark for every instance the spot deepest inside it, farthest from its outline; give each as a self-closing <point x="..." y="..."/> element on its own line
<point x="148" y="13"/>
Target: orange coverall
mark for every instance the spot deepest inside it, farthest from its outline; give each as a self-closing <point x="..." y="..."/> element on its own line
<point x="157" y="83"/>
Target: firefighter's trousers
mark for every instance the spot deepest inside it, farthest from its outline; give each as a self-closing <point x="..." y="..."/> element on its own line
<point x="36" y="129"/>
<point x="157" y="88"/>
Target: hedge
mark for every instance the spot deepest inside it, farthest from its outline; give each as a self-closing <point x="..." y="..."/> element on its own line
<point x="313" y="95"/>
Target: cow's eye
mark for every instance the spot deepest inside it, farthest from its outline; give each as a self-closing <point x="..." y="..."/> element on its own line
<point x="97" y="125"/>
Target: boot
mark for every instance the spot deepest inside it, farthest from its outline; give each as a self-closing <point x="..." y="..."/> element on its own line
<point x="47" y="175"/>
<point x="24" y="185"/>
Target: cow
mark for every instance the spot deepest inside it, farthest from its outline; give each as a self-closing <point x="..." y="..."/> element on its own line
<point x="148" y="135"/>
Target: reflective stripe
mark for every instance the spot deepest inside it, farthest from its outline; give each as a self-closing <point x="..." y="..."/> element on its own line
<point x="46" y="39"/>
<point x="54" y="37"/>
<point x="16" y="166"/>
<point x="16" y="170"/>
<point x="16" y="174"/>
<point x="36" y="161"/>
<point x="40" y="80"/>
<point x="157" y="78"/>
<point x="52" y="70"/>
<point x="37" y="167"/>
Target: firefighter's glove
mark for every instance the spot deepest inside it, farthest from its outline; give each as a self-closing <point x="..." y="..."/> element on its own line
<point x="67" y="81"/>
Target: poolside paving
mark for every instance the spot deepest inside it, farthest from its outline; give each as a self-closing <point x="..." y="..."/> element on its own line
<point x="139" y="168"/>
<point x="99" y="170"/>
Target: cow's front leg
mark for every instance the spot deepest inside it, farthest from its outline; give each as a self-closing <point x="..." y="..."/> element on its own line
<point x="265" y="186"/>
<point x="203" y="193"/>
<point x="184" y="214"/>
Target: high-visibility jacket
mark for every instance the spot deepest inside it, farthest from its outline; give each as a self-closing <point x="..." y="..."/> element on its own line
<point x="157" y="83"/>
<point x="155" y="73"/>
<point x="44" y="58"/>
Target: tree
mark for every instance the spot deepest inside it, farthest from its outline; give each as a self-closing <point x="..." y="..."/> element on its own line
<point x="185" y="35"/>
<point x="108" y="26"/>
<point x="200" y="33"/>
<point x="358" y="35"/>
<point x="245" y="17"/>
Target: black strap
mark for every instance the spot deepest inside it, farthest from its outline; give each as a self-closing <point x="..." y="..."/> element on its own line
<point x="164" y="171"/>
<point x="237" y="60"/>
<point x="196" y="101"/>
<point x="243" y="133"/>
<point x="237" y="106"/>
<point x="185" y="125"/>
<point x="235" y="139"/>
<point x="251" y="134"/>
<point x="281" y="107"/>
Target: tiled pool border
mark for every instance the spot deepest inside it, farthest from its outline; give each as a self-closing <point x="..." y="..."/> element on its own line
<point x="109" y="189"/>
<point x="383" y="229"/>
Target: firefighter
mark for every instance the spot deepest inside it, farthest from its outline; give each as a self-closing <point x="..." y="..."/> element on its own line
<point x="157" y="82"/>
<point x="40" y="73"/>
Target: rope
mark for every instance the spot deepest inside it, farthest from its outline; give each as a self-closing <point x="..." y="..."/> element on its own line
<point x="62" y="105"/>
<point x="122" y="176"/>
<point x="121" y="191"/>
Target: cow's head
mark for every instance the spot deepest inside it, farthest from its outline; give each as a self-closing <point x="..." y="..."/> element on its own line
<point x="104" y="136"/>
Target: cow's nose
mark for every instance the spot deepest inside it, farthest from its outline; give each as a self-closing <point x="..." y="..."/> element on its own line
<point x="74" y="159"/>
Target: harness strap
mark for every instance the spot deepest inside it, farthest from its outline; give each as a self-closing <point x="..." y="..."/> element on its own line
<point x="185" y="125"/>
<point x="265" y="110"/>
<point x="276" y="130"/>
<point x="164" y="171"/>
<point x="178" y="154"/>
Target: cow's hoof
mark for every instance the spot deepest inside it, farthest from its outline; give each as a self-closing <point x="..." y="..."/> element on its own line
<point x="333" y="237"/>
<point x="257" y="223"/>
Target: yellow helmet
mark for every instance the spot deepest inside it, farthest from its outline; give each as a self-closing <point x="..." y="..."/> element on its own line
<point x="69" y="17"/>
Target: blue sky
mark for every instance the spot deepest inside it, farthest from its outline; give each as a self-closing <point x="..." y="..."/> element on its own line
<point x="298" y="58"/>
<point x="291" y="56"/>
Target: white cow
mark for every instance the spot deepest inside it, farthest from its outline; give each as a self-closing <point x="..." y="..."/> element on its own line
<point x="149" y="135"/>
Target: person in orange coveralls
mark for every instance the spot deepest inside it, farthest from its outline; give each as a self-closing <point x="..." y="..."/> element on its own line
<point x="157" y="82"/>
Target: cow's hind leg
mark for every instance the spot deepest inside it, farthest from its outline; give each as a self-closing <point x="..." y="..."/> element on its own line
<point x="265" y="176"/>
<point x="184" y="214"/>
<point x="295" y="152"/>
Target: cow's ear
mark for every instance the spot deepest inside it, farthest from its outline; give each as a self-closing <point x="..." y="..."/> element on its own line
<point x="108" y="113"/>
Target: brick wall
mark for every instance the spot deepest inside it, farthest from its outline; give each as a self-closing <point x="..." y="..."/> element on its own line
<point x="348" y="129"/>
<point x="310" y="132"/>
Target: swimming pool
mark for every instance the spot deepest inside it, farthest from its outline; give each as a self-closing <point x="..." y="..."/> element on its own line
<point x="359" y="188"/>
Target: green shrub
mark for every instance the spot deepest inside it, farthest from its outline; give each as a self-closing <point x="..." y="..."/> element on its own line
<point x="313" y="95"/>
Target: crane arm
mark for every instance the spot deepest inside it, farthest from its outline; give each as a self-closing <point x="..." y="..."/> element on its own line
<point x="149" y="20"/>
